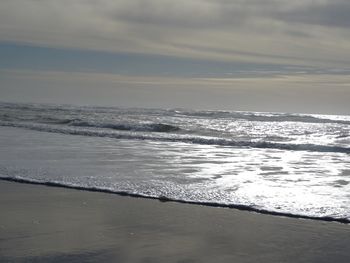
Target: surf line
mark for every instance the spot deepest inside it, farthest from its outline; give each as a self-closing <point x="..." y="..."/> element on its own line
<point x="166" y="199"/>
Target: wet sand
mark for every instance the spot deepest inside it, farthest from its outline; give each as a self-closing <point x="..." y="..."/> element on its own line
<point x="51" y="224"/>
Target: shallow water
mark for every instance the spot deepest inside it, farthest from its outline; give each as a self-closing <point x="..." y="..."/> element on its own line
<point x="283" y="163"/>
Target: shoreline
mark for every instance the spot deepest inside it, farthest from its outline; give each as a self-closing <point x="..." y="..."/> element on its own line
<point x="166" y="199"/>
<point x="55" y="224"/>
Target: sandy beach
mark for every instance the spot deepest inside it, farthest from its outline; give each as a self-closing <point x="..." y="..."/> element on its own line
<point x="49" y="224"/>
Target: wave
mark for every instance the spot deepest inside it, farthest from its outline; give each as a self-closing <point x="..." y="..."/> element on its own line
<point x="203" y="140"/>
<point x="150" y="127"/>
<point x="211" y="114"/>
<point x="78" y="122"/>
<point x="267" y="117"/>
<point x="50" y="120"/>
<point x="242" y="207"/>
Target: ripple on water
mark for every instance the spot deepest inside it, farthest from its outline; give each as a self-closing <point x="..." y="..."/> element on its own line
<point x="340" y="183"/>
<point x="270" y="168"/>
<point x="345" y="172"/>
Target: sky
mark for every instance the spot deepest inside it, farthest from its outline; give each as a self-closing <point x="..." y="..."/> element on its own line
<point x="259" y="55"/>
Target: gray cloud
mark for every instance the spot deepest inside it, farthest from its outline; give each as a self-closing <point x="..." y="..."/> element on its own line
<point x="325" y="13"/>
<point x="300" y="32"/>
<point x="168" y="13"/>
<point x="223" y="13"/>
<point x="194" y="13"/>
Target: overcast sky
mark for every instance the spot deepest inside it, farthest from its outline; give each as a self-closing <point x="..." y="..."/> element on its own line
<point x="262" y="55"/>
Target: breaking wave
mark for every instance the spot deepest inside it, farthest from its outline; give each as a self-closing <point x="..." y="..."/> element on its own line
<point x="204" y="140"/>
<point x="150" y="127"/>
<point x="40" y="109"/>
<point x="267" y="117"/>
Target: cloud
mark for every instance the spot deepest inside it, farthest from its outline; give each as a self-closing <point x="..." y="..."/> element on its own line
<point x="300" y="32"/>
<point x="222" y="13"/>
<point x="325" y="13"/>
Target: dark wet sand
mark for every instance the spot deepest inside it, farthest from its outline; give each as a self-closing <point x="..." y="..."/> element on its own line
<point x="49" y="224"/>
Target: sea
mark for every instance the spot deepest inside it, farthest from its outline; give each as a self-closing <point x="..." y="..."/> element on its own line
<point x="287" y="164"/>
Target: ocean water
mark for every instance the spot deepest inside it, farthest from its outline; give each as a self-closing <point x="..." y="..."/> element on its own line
<point x="278" y="163"/>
